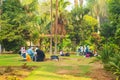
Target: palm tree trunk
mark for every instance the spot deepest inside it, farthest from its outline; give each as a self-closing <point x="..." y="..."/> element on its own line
<point x="81" y="2"/>
<point x="51" y="31"/>
<point x="56" y="23"/>
<point x="1" y="1"/>
<point x="75" y="3"/>
<point x="98" y="19"/>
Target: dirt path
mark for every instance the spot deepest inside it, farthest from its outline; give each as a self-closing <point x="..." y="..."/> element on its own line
<point x="15" y="72"/>
<point x="98" y="72"/>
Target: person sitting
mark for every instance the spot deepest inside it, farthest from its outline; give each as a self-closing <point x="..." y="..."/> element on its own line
<point x="87" y="55"/>
<point x="90" y="54"/>
<point x="39" y="56"/>
<point x="30" y="52"/>
<point x="28" y="58"/>
<point x="67" y="54"/>
<point x="23" y="52"/>
<point x="61" y="53"/>
<point x="95" y="53"/>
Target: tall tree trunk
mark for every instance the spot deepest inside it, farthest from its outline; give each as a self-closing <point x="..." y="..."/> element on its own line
<point x="1" y="1"/>
<point x="56" y="23"/>
<point x="98" y="19"/>
<point x="75" y="3"/>
<point x="51" y="31"/>
<point x="81" y="2"/>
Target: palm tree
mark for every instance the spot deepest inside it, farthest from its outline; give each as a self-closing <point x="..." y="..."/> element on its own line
<point x="58" y="27"/>
<point x="98" y="10"/>
<point x="75" y="3"/>
<point x="78" y="1"/>
<point x="61" y="18"/>
<point x="1" y="1"/>
<point x="62" y="4"/>
<point x="81" y="2"/>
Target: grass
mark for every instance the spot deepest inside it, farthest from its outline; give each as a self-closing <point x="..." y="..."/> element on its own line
<point x="68" y="68"/>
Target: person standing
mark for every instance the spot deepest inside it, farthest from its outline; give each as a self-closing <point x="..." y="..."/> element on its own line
<point x="87" y="49"/>
<point x="81" y="50"/>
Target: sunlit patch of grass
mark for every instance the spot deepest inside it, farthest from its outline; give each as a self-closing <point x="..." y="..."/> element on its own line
<point x="75" y="67"/>
<point x="84" y="69"/>
<point x="42" y="75"/>
<point x="67" y="67"/>
<point x="48" y="68"/>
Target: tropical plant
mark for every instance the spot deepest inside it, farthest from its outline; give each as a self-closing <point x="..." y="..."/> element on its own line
<point x="66" y="44"/>
<point x="114" y="16"/>
<point x="60" y="20"/>
<point x="62" y="17"/>
<point x="108" y="51"/>
<point x="47" y="25"/>
<point x="114" y="65"/>
<point x="98" y="9"/>
<point x="117" y="36"/>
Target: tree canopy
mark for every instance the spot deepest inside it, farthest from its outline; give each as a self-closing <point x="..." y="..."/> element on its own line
<point x="27" y="20"/>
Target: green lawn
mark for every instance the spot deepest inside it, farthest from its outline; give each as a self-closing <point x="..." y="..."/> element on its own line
<point x="67" y="68"/>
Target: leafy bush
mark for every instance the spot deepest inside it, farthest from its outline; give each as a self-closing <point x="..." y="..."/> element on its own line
<point x="13" y="45"/>
<point x="114" y="65"/>
<point x="108" y="50"/>
<point x="110" y="57"/>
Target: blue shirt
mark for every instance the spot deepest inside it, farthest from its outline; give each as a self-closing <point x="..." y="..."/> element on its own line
<point x="30" y="52"/>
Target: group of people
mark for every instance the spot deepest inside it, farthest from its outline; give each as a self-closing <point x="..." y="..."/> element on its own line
<point x="35" y="54"/>
<point x="85" y="50"/>
<point x="32" y="54"/>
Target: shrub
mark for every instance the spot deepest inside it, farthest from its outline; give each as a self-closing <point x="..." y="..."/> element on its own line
<point x="114" y="65"/>
<point x="108" y="50"/>
<point x="110" y="57"/>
